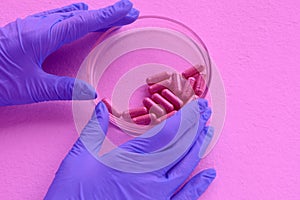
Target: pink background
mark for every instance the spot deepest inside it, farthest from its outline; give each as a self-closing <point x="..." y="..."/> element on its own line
<point x="256" y="47"/>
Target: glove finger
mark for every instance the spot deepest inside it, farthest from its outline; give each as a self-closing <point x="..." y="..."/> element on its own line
<point x="93" y="134"/>
<point x="181" y="171"/>
<point x="66" y="88"/>
<point x="128" y="19"/>
<point x="82" y="23"/>
<point x="176" y="126"/>
<point x="72" y="7"/>
<point x="193" y="189"/>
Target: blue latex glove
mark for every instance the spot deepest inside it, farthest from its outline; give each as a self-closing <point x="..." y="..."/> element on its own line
<point x="125" y="172"/>
<point x="25" y="43"/>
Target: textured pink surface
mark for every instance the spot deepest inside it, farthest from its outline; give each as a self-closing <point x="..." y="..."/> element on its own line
<point x="256" y="46"/>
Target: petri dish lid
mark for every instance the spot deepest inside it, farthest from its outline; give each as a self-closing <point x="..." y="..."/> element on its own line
<point x="124" y="57"/>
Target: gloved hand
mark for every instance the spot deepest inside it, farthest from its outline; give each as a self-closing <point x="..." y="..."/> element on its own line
<point x="152" y="166"/>
<point x="25" y="43"/>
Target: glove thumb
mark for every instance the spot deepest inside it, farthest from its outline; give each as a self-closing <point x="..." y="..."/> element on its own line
<point x="67" y="88"/>
<point x="94" y="133"/>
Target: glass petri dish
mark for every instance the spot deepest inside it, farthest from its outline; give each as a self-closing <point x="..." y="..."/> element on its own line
<point x="123" y="58"/>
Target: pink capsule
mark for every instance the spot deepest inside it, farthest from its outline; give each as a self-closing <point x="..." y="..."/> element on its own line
<point x="187" y="91"/>
<point x="172" y="98"/>
<point x="144" y="119"/>
<point x="163" y="102"/>
<point x="157" y="87"/>
<point x="131" y="113"/>
<point x="109" y="107"/>
<point x="158" y="78"/>
<point x="192" y="71"/>
<point x="176" y="84"/>
<point x="162" y="118"/>
<point x="198" y="87"/>
<point x="153" y="107"/>
<point x="192" y="81"/>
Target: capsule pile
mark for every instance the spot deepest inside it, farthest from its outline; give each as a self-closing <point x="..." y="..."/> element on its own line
<point x="168" y="93"/>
